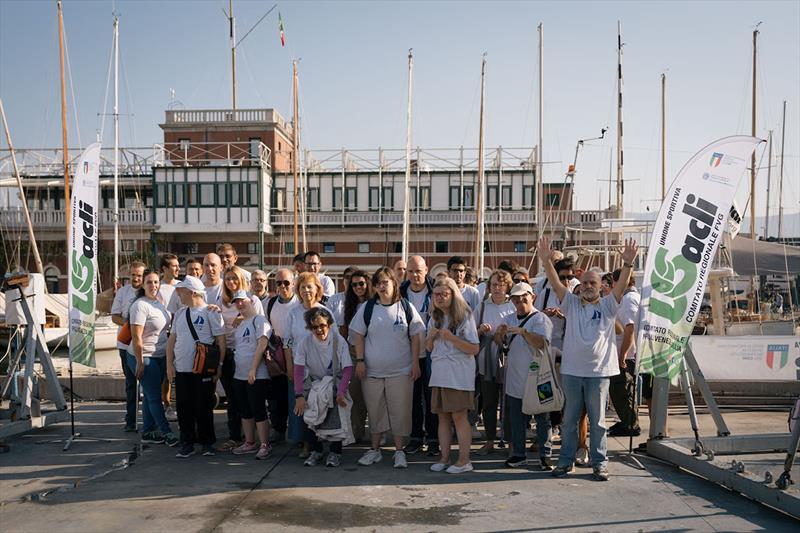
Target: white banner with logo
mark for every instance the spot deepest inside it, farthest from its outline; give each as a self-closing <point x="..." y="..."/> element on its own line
<point x="749" y="358"/>
<point x="685" y="239"/>
<point x="82" y="258"/>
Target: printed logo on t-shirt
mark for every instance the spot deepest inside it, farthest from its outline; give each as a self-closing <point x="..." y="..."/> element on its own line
<point x="596" y="315"/>
<point x="246" y="333"/>
<point x="199" y="321"/>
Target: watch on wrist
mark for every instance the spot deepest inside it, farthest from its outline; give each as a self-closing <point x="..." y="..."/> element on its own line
<point x="628" y="265"/>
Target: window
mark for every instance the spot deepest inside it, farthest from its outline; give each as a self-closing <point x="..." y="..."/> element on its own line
<point x="486" y="248"/>
<point x="128" y="245"/>
<point x="161" y="194"/>
<point x="351" y="198"/>
<point x="288" y="248"/>
<point x="469" y="198"/>
<point x="279" y="199"/>
<point x="363" y="247"/>
<point x="527" y="196"/>
<point x="491" y="197"/>
<point x="255" y="144"/>
<point x="206" y="195"/>
<point x="398" y="247"/>
<point x="337" y="198"/>
<point x="455" y="197"/>
<point x="506" y="197"/>
<point x="552" y="199"/>
<point x="51" y="279"/>
<point x="178" y="195"/>
<point x="422" y="198"/>
<point x="191" y="247"/>
<point x="312" y="202"/>
<point x="222" y="197"/>
<point x="519" y="247"/>
<point x="252" y="192"/>
<point x="236" y="194"/>
<point x="252" y="248"/>
<point x="193" y="194"/>
<point x="442" y="247"/>
<point x="387" y="200"/>
<point x="329" y="247"/>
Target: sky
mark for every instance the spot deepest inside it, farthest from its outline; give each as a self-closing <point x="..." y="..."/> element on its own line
<point x="353" y="76"/>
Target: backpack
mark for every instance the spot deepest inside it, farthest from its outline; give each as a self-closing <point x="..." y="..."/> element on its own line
<point x="369" y="307"/>
<point x="275" y="345"/>
<point x="404" y="287"/>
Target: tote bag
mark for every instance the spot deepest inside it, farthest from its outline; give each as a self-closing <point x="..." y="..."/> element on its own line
<point x="543" y="392"/>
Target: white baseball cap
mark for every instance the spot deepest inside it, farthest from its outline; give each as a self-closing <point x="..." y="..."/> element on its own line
<point x="193" y="284"/>
<point x="521" y="288"/>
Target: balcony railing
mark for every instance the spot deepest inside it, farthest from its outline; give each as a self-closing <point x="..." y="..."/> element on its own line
<point x="15" y="217"/>
<point x="211" y="154"/>
<point x="586" y="218"/>
<point x="205" y="116"/>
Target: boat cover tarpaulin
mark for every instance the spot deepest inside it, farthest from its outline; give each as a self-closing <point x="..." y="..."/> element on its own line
<point x="762" y="258"/>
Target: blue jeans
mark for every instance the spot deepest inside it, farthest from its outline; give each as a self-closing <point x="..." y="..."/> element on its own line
<point x="591" y="393"/>
<point x="130" y="390"/>
<point x="519" y="427"/>
<point x="155" y="370"/>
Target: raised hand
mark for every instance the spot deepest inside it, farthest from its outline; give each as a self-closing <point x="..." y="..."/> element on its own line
<point x="544" y="249"/>
<point x="629" y="251"/>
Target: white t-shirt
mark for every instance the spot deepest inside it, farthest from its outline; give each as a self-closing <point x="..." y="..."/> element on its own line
<point x="628" y="313"/>
<point x="450" y="367"/>
<point x="207" y="325"/>
<point x="165" y="292"/>
<point x="317" y="356"/>
<point x="387" y="346"/>
<point x="214" y="294"/>
<point x="494" y="314"/>
<point x="174" y="302"/>
<point x="336" y="306"/>
<point x="229" y="315"/>
<point x="328" y="286"/>
<point x="590" y="348"/>
<point x="247" y="335"/>
<point x="546" y="299"/>
<point x="154" y="317"/>
<point x="279" y="315"/>
<point x="471" y="295"/>
<point x="121" y="306"/>
<point x="481" y="289"/>
<point x="295" y="327"/>
<point x="520" y="353"/>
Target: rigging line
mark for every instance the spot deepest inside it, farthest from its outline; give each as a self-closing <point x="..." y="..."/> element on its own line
<point x="72" y="92"/>
<point x="252" y="78"/>
<point x="476" y="94"/>
<point x="102" y="114"/>
<point x="128" y="99"/>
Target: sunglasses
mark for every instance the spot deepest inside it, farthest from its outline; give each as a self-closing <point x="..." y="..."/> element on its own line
<point x="520" y="280"/>
<point x="358" y="284"/>
<point x="567" y="277"/>
<point x="283" y="283"/>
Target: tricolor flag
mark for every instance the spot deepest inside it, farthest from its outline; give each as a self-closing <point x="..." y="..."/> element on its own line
<point x="777" y="355"/>
<point x="716" y="159"/>
<point x="280" y="27"/>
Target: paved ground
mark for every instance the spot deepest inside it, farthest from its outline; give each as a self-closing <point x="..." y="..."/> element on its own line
<point x="113" y="485"/>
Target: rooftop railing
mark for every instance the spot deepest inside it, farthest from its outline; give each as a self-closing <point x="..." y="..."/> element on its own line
<point x="227" y="116"/>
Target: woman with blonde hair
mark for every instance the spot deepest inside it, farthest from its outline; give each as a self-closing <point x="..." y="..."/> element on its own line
<point x="453" y="343"/>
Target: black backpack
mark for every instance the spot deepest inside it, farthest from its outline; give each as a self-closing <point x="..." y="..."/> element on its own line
<point x="370" y="307"/>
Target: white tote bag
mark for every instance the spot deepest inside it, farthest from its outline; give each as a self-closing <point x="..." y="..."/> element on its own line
<point x="543" y="392"/>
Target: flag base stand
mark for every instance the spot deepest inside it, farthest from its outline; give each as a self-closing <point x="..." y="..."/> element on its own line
<point x="74" y="435"/>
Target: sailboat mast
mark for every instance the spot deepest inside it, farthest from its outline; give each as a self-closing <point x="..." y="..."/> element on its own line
<point x="294" y="155"/>
<point x="34" y="247"/>
<point x="753" y="133"/>
<point x="232" y="24"/>
<point x="663" y="136"/>
<point x="780" y="179"/>
<point x="539" y="152"/>
<point x="620" y="159"/>
<point x="479" y="236"/>
<point x="63" y="112"/>
<point x="769" y="181"/>
<point x="116" y="150"/>
<point x="407" y="181"/>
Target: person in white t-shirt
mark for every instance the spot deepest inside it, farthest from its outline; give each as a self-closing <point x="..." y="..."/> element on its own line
<point x="258" y="286"/>
<point x="457" y="270"/>
<point x="453" y="344"/>
<point x="229" y="258"/>
<point x="212" y="278"/>
<point x="524" y="331"/>
<point x="120" y="309"/>
<point x="622" y="389"/>
<point x="387" y="333"/>
<point x="490" y="314"/>
<point x="589" y="358"/>
<point x="547" y="301"/>
<point x="251" y="379"/>
<point x="194" y="393"/>
<point x="149" y="321"/>
<point x="313" y="264"/>
<point x="170" y="269"/>
<point x="359" y="290"/>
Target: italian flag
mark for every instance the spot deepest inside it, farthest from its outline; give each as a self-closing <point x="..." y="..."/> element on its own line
<point x="280" y="28"/>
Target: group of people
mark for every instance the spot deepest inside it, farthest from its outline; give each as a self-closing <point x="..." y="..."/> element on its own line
<point x="418" y="357"/>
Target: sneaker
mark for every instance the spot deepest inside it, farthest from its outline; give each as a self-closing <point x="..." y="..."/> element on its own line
<point x="433" y="450"/>
<point x="334" y="460"/>
<point x="439" y="467"/>
<point x="413" y="447"/>
<point x="209" y="451"/>
<point x="370" y="457"/>
<point x="582" y="457"/>
<point x="545" y="464"/>
<point x="453" y="469"/>
<point x="314" y="458"/>
<point x="264" y="451"/>
<point x="400" y="459"/>
<point x="622" y="431"/>
<point x="186" y="450"/>
<point x="561" y="471"/>
<point x="247" y="447"/>
<point x="171" y="439"/>
<point x="484" y="450"/>
<point x="229" y="445"/>
<point x="171" y="414"/>
<point x="152" y="437"/>
<point x="516" y="462"/>
<point x="130" y="429"/>
<point x="600" y="473"/>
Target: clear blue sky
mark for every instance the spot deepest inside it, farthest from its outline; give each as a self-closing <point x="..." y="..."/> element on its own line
<point x="353" y="75"/>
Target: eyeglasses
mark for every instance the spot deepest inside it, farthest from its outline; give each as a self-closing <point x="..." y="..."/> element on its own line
<point x="443" y="294"/>
<point x="320" y="327"/>
<point x="358" y="284"/>
<point x="283" y="283"/>
<point x="567" y="277"/>
<point x="383" y="282"/>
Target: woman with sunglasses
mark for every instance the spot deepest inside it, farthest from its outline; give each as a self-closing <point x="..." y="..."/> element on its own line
<point x="313" y="361"/>
<point x="358" y="292"/>
<point x="388" y="344"/>
<point x="520" y="276"/>
<point x="309" y="292"/>
<point x="147" y="351"/>
<point x="453" y="343"/>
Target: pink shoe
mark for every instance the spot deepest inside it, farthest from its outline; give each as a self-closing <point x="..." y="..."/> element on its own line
<point x="264" y="451"/>
<point x="247" y="447"/>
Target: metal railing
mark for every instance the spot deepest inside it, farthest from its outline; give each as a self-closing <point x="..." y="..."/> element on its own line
<point x="211" y="154"/>
<point x="205" y="116"/>
<point x="14" y="217"/>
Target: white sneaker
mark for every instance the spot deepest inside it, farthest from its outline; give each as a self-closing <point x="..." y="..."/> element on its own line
<point x="453" y="469"/>
<point x="314" y="458"/>
<point x="439" y="467"/>
<point x="582" y="457"/>
<point x="400" y="459"/>
<point x="370" y="457"/>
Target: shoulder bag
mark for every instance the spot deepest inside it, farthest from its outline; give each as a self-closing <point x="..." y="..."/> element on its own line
<point x="206" y="356"/>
